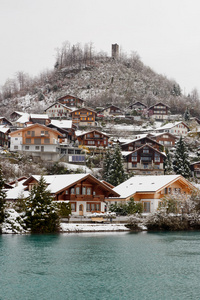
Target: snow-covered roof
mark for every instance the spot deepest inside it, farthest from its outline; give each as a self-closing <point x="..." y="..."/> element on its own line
<point x="171" y="125"/>
<point x="17" y="191"/>
<point x="4" y="129"/>
<point x="39" y="116"/>
<point x="59" y="182"/>
<point x="62" y="124"/>
<point x="23" y="119"/>
<point x="144" y="184"/>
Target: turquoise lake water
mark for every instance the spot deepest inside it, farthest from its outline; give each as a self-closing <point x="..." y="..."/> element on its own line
<point x="100" y="266"/>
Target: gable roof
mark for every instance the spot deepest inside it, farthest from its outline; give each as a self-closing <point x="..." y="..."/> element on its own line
<point x="35" y="125"/>
<point x="152" y="184"/>
<point x="57" y="183"/>
<point x="126" y="153"/>
<point x="84" y="108"/>
<point x="136" y="103"/>
<point x="171" y="125"/>
<point x="157" y="134"/>
<point x="39" y="116"/>
<point x="64" y="124"/>
<point x="55" y="103"/>
<point x="159" y="103"/>
<point x="86" y="132"/>
<point x="63" y="97"/>
<point x="141" y="138"/>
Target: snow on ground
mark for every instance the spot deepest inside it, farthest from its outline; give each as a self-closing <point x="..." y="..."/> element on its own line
<point x="74" y="227"/>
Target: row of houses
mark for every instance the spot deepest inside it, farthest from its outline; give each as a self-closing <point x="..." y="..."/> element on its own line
<point x="86" y="194"/>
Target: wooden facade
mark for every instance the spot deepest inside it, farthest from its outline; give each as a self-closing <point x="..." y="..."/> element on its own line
<point x="137" y="143"/>
<point x="159" y="111"/>
<point x="144" y="160"/>
<point x="150" y="190"/>
<point x="85" y="193"/>
<point x="112" y="110"/>
<point x="166" y="139"/>
<point x="195" y="168"/>
<point x="93" y="138"/>
<point x="84" y="117"/>
<point x="58" y="110"/>
<point x="71" y="101"/>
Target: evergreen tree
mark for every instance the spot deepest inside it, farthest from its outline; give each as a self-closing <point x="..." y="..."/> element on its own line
<point x="2" y="197"/>
<point x="117" y="174"/>
<point x="107" y="165"/>
<point x="41" y="216"/>
<point x="181" y="159"/>
<point x="186" y="115"/>
<point x="168" y="167"/>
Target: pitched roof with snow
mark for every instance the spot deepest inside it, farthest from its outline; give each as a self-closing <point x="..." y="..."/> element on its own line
<point x="57" y="183"/>
<point x="152" y="184"/>
<point x="62" y="124"/>
<point x="171" y="125"/>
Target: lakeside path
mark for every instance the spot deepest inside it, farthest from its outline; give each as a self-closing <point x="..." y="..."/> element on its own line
<point x="78" y="227"/>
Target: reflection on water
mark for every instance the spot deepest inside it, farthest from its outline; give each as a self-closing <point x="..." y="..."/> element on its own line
<point x="100" y="266"/>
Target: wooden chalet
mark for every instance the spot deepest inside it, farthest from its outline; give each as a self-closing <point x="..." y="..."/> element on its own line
<point x="85" y="193"/>
<point x="195" y="169"/>
<point x="138" y="142"/>
<point x="71" y="101"/>
<point x="144" y="160"/>
<point x="42" y="119"/>
<point x="166" y="139"/>
<point x="150" y="190"/>
<point x="5" y="122"/>
<point x="66" y="128"/>
<point x="58" y="110"/>
<point x="159" y="111"/>
<point x="112" y="110"/>
<point x="93" y="138"/>
<point x="138" y="106"/>
<point x="84" y="117"/>
<point x="4" y="136"/>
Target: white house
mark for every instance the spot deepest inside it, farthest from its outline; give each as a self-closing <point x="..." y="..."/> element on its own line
<point x="177" y="128"/>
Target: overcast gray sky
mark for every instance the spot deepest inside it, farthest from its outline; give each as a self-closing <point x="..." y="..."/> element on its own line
<point x="165" y="33"/>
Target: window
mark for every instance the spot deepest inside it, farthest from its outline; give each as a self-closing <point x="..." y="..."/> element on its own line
<point x="130" y="148"/>
<point x="33" y="133"/>
<point x="146" y="150"/>
<point x="37" y="141"/>
<point x="134" y="165"/>
<point x="145" y="166"/>
<point x="84" y="190"/>
<point x="28" y="132"/>
<point x="26" y="147"/>
<point x="134" y="156"/>
<point x="73" y="206"/>
<point x="28" y="141"/>
<point x="72" y="191"/>
<point x="147" y="207"/>
<point x="169" y="190"/>
<point x="98" y="207"/>
<point x="92" y="207"/>
<point x="77" y="190"/>
<point x="88" y="207"/>
<point x="89" y="192"/>
<point x="165" y="191"/>
<point x="91" y="142"/>
<point x="15" y="147"/>
<point x="157" y="157"/>
<point x="37" y="147"/>
<point x="46" y="141"/>
<point x="16" y="139"/>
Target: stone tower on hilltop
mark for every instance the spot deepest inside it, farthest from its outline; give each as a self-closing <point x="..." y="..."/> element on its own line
<point x="115" y="51"/>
